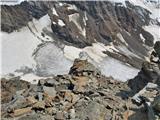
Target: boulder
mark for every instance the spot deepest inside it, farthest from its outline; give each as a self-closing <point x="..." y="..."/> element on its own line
<point x="59" y="116"/>
<point x="19" y="112"/>
<point x="83" y="68"/>
<point x="156" y="104"/>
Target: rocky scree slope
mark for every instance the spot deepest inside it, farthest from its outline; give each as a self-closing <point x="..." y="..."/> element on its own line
<point x="82" y="94"/>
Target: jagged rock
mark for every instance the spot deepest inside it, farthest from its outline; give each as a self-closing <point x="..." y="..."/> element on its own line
<point x="50" y="91"/>
<point x="72" y="114"/>
<point x="59" y="116"/>
<point x="93" y="111"/>
<point x="157" y="48"/>
<point x="40" y="105"/>
<point x="150" y="72"/>
<point x="80" y="83"/>
<point x="22" y="111"/>
<point x="31" y="100"/>
<point x="9" y="88"/>
<point x="83" y="68"/>
<point x="51" y="110"/>
<point x="37" y="117"/>
<point x="156" y="104"/>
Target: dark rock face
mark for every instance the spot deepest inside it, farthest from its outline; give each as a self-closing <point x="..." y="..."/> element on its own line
<point x="82" y="67"/>
<point x="86" y="23"/>
<point x="157" y="48"/>
<point x="18" y="16"/>
<point x="150" y="71"/>
<point x="100" y="20"/>
<point x="9" y="88"/>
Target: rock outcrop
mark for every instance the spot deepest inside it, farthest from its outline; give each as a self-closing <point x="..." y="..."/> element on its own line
<point x="82" y="94"/>
<point x="150" y="71"/>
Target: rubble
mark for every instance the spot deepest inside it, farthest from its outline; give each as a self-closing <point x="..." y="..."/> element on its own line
<point x="84" y="94"/>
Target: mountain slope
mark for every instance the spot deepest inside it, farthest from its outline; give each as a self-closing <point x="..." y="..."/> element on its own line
<point x="114" y="36"/>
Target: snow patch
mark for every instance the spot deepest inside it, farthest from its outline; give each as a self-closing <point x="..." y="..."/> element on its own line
<point x="61" y="23"/>
<point x="125" y="51"/>
<point x="142" y="38"/>
<point x="72" y="7"/>
<point x="17" y="47"/>
<point x="119" y="35"/>
<point x="32" y="78"/>
<point x="16" y="50"/>
<point x="10" y="3"/>
<point x="108" y="66"/>
<point x="71" y="52"/>
<point x="54" y="12"/>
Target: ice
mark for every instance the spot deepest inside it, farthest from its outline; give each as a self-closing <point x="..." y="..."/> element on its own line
<point x="51" y="61"/>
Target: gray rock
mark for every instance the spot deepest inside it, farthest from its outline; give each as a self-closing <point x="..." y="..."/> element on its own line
<point x="59" y="116"/>
<point x="156" y="104"/>
<point x="49" y="90"/>
<point x="93" y="111"/>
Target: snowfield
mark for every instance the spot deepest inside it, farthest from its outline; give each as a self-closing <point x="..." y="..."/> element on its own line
<point x="17" y="49"/>
<point x="108" y="66"/>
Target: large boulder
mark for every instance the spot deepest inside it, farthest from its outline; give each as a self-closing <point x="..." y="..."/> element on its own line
<point x="83" y="68"/>
<point x="9" y="88"/>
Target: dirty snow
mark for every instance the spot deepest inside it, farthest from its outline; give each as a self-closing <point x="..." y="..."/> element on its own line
<point x="117" y="69"/>
<point x="51" y="61"/>
<point x="126" y="51"/>
<point x="119" y="35"/>
<point x="108" y="65"/>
